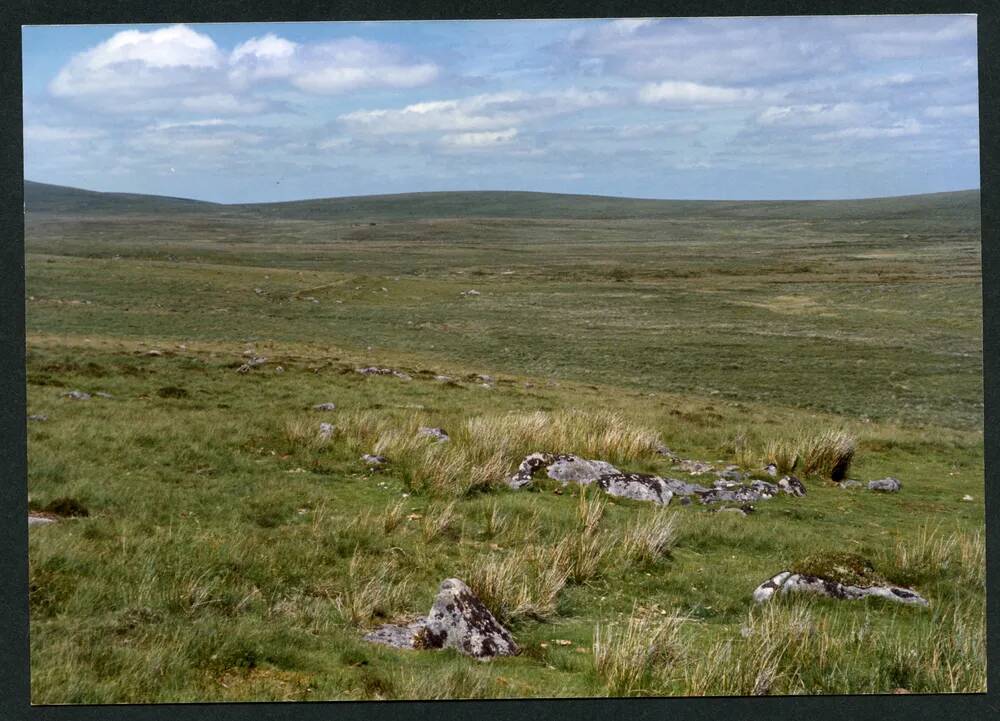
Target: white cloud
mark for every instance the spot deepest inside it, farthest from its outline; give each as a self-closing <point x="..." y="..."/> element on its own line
<point x="225" y="103"/>
<point x="968" y="110"/>
<point x="132" y="62"/>
<point x="677" y="92"/>
<point x="493" y="111"/>
<point x="900" y="129"/>
<point x="818" y="114"/>
<point x="649" y="130"/>
<point x="480" y="140"/>
<point x="48" y="133"/>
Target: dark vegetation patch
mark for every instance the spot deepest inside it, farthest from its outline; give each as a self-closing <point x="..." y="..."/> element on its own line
<point x="66" y="507"/>
<point x="849" y="569"/>
<point x="172" y="392"/>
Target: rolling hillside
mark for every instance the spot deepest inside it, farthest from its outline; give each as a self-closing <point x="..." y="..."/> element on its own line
<point x="959" y="207"/>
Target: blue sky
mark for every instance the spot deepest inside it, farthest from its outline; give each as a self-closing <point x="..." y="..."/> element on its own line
<point x="739" y="108"/>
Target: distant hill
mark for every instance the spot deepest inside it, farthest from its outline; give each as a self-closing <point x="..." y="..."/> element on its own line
<point x="960" y="207"/>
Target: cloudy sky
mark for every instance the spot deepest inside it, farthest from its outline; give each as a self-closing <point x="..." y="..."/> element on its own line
<point x="692" y="108"/>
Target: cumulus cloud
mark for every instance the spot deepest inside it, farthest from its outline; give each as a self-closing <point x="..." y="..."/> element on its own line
<point x="900" y="129"/>
<point x="819" y="114"/>
<point x="479" y="112"/>
<point x="674" y="92"/>
<point x="479" y="140"/>
<point x="178" y="68"/>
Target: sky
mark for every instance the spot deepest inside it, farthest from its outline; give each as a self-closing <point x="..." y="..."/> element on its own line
<point x="737" y="108"/>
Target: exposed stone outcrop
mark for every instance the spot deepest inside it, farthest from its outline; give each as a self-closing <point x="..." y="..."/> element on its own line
<point x="458" y="619"/>
<point x="885" y="485"/>
<point x="375" y="371"/>
<point x="788" y="582"/>
<point x="437" y="434"/>
<point x="637" y="486"/>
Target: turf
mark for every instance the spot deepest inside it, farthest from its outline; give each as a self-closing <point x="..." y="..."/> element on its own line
<point x="221" y="548"/>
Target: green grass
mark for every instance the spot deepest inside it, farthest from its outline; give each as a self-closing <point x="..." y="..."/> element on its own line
<point x="230" y="553"/>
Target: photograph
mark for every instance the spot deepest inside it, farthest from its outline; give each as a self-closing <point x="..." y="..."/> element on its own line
<point x="503" y="359"/>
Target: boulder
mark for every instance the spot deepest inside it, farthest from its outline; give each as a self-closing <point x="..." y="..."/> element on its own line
<point x="459" y="620"/>
<point x="325" y="431"/>
<point x="792" y="486"/>
<point x="637" y="486"/>
<point x="396" y="635"/>
<point x="885" y="485"/>
<point x="325" y="407"/>
<point x="572" y="469"/>
<point x="681" y="488"/>
<point x="437" y="434"/>
<point x="526" y="471"/>
<point x="788" y="582"/>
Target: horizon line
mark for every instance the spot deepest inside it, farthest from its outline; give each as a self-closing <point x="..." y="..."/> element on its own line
<point x="532" y="192"/>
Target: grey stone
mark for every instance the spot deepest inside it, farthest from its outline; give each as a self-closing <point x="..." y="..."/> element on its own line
<point x="397" y="636"/>
<point x="572" y="469"/>
<point x="792" y="486"/>
<point x="326" y="431"/>
<point x="102" y="394"/>
<point x="696" y="468"/>
<point x="459" y="620"/>
<point x="77" y="395"/>
<point x="443" y="379"/>
<point x="374" y="460"/>
<point x="39" y="520"/>
<point x="325" y="407"/>
<point x="529" y="466"/>
<point x="681" y="488"/>
<point x="637" y="486"/>
<point x="437" y="434"/>
<point x="471" y="292"/>
<point x="788" y="582"/>
<point x="38" y="417"/>
<point x="375" y="371"/>
<point x="850" y="484"/>
<point x="771" y="470"/>
<point x="885" y="485"/>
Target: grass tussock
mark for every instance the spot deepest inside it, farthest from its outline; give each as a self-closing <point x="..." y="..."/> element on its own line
<point x="647" y="540"/>
<point x="523" y="584"/>
<point x="373" y="592"/>
<point x="781" y="453"/>
<point x="627" y="656"/>
<point x="933" y="552"/>
<point x="439" y="522"/>
<point x="828" y="454"/>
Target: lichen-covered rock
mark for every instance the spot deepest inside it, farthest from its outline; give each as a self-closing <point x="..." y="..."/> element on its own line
<point x="681" y="488"/>
<point x="375" y="371"/>
<point x="437" y="434"/>
<point x="397" y="635"/>
<point x="572" y="469"/>
<point x="695" y="468"/>
<point x="850" y="484"/>
<point x="637" y="486"/>
<point x="792" y="486"/>
<point x="373" y="460"/>
<point x="788" y="582"/>
<point x="325" y="431"/>
<point x="885" y="485"/>
<point x="738" y="493"/>
<point x="526" y="471"/>
<point x="459" y="620"/>
<point x="771" y="470"/>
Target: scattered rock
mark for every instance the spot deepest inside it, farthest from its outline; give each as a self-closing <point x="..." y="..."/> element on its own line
<point x="788" y="582"/>
<point x="662" y="450"/>
<point x="792" y="486"/>
<point x="459" y="620"/>
<point x="38" y="520"/>
<point x="471" y="292"/>
<point x="730" y="475"/>
<point x="325" y="407"/>
<point x="885" y="485"/>
<point x="77" y="396"/>
<point x="850" y="484"/>
<point x="489" y="380"/>
<point x="102" y="394"/>
<point x="740" y="493"/>
<point x="695" y="468"/>
<point x="967" y="497"/>
<point x="572" y="469"/>
<point x="375" y="371"/>
<point x="771" y="470"/>
<point x="154" y="353"/>
<point x="325" y="431"/>
<point x="437" y="434"/>
<point x="527" y="469"/>
<point x="279" y="369"/>
<point x="443" y="379"/>
<point x="744" y="510"/>
<point x="38" y="417"/>
<point x="374" y="460"/>
<point x="637" y="486"/>
<point x="397" y="636"/>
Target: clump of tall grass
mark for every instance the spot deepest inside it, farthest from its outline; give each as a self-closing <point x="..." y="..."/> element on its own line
<point x="933" y="552"/>
<point x="627" y="655"/>
<point x="828" y="454"/>
<point x="781" y="453"/>
<point x="438" y="522"/>
<point x="301" y="434"/>
<point x="645" y="540"/>
<point x="590" y="512"/>
<point x="371" y="593"/>
<point x="525" y="583"/>
<point x="497" y="521"/>
<point x="582" y="555"/>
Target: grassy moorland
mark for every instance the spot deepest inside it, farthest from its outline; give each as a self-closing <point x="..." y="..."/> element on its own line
<point x="230" y="553"/>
